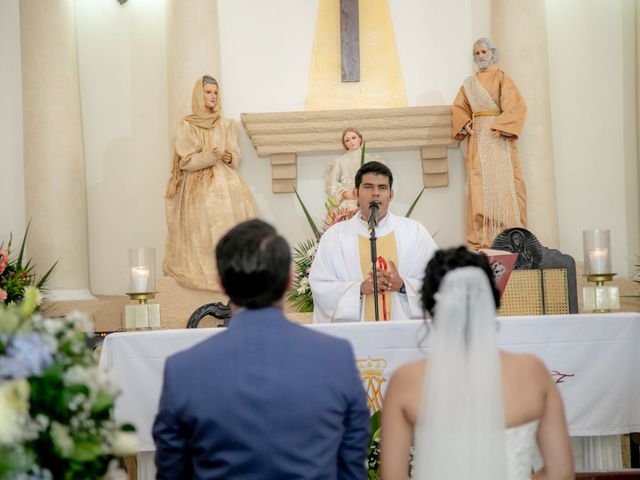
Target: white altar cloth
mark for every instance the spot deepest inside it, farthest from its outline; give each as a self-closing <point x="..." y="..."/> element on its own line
<point x="594" y="358"/>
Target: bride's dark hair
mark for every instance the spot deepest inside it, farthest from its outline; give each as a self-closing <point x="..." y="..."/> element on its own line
<point x="446" y="260"/>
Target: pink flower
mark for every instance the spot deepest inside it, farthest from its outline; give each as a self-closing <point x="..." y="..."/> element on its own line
<point x="4" y="258"/>
<point x="3" y="295"/>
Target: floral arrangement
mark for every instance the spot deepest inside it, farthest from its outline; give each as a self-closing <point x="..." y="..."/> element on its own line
<point x="373" y="452"/>
<point x="15" y="276"/>
<point x="56" y="403"/>
<point x="303" y="254"/>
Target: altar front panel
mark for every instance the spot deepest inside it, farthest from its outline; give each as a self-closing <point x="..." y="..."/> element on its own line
<point x="594" y="360"/>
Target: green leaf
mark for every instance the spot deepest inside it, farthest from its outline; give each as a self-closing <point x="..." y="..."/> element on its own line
<point x="24" y="241"/>
<point x="413" y="205"/>
<point x="45" y="277"/>
<point x="127" y="427"/>
<point x="314" y="229"/>
<point x="102" y="402"/>
<point x="87" y="449"/>
<point x="375" y="426"/>
<point x="364" y="145"/>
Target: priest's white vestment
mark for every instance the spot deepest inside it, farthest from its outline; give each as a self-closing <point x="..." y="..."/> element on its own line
<point x="336" y="273"/>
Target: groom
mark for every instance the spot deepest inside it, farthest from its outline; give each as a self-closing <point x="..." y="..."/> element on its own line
<point x="266" y="398"/>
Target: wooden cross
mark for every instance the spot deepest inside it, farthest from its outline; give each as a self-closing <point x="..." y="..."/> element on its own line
<point x="350" y="40"/>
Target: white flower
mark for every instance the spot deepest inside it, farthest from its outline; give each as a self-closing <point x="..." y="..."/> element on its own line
<point x="114" y="472"/>
<point x="42" y="421"/>
<point x="62" y="439"/>
<point x="96" y="379"/>
<point x="125" y="443"/>
<point x="77" y="401"/>
<point x="14" y="405"/>
<point x="105" y="381"/>
<point x="77" y="375"/>
<point x="81" y="321"/>
<point x="32" y="298"/>
<point x="9" y="319"/>
<point x="52" y="325"/>
<point x="312" y="251"/>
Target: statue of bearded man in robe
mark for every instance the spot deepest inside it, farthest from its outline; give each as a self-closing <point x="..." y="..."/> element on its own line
<point x="490" y="111"/>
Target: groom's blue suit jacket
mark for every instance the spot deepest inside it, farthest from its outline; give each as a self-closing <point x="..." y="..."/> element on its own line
<point x="266" y="399"/>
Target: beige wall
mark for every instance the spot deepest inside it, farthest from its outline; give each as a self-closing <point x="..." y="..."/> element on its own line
<point x="12" y="205"/>
<point x="123" y="90"/>
<point x="125" y="139"/>
<point x="592" y="78"/>
<point x="265" y="62"/>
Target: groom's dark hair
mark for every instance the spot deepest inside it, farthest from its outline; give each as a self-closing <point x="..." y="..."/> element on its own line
<point x="253" y="264"/>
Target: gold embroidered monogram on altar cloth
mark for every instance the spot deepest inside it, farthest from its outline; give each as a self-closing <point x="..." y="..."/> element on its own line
<point x="372" y="375"/>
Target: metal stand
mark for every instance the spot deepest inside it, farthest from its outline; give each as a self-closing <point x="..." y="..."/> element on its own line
<point x="374" y="269"/>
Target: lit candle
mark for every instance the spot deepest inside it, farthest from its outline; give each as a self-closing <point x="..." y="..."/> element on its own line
<point x="598" y="261"/>
<point x="139" y="279"/>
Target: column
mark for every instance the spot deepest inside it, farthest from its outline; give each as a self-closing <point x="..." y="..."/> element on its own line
<point x="519" y="28"/>
<point x="193" y="50"/>
<point x="55" y="195"/>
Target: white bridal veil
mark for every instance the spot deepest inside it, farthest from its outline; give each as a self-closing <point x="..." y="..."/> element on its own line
<point x="461" y="430"/>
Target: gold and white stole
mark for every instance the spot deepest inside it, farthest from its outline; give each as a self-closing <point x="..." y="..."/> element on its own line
<point x="387" y="251"/>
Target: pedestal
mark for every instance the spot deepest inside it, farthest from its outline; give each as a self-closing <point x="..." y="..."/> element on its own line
<point x="142" y="316"/>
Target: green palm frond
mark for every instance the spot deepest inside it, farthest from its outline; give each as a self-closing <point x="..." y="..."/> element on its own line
<point x="302" y="260"/>
<point x="302" y="303"/>
<point x="413" y="205"/>
<point x="312" y="224"/>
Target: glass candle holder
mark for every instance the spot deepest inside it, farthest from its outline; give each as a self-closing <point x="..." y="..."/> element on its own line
<point x="597" y="251"/>
<point x="142" y="270"/>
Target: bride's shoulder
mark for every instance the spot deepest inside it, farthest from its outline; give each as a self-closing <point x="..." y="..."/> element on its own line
<point x="409" y="373"/>
<point x="524" y="363"/>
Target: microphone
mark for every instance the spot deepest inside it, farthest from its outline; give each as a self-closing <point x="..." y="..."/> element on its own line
<point x="373" y="211"/>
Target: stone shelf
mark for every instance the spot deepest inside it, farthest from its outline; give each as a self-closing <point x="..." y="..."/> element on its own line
<point x="281" y="136"/>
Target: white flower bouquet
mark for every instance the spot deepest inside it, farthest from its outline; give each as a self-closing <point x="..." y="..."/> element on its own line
<point x="56" y="404"/>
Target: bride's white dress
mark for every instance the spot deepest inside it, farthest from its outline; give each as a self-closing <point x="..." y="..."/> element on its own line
<point x="521" y="448"/>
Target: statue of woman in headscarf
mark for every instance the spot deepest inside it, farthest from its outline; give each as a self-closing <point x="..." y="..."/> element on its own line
<point x="205" y="196"/>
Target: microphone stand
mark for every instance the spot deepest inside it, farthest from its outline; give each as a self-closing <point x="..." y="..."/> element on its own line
<point x="374" y="263"/>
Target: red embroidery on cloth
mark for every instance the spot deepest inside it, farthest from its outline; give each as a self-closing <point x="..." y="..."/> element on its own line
<point x="560" y="377"/>
<point x="382" y="265"/>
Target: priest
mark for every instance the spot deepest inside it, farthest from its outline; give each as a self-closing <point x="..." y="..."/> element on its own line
<point x="341" y="276"/>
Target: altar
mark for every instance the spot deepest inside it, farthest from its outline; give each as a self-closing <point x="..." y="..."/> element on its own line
<point x="593" y="358"/>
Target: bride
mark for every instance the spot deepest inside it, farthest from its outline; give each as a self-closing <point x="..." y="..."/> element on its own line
<point x="475" y="412"/>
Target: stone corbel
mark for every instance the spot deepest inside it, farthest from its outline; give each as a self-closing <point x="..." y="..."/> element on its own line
<point x="284" y="172"/>
<point x="435" y="166"/>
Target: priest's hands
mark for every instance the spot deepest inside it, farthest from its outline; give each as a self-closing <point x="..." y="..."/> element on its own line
<point x="389" y="280"/>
